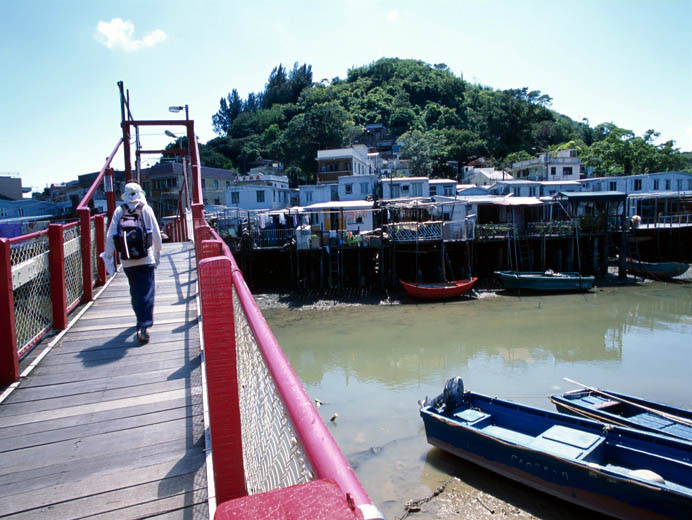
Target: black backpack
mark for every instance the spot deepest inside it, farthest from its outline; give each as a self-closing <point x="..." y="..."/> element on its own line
<point x="133" y="238"/>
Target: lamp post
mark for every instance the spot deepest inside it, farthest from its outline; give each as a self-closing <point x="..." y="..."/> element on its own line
<point x="178" y="109"/>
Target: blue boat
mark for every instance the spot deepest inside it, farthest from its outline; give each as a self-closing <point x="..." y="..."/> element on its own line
<point x="656" y="270"/>
<point x="626" y="410"/>
<point x="613" y="470"/>
<point x="545" y="281"/>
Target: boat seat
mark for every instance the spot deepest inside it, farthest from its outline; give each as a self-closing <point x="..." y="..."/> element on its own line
<point x="650" y="420"/>
<point x="566" y="442"/>
<point x="606" y="404"/>
<point x="508" y="435"/>
<point x="473" y="417"/>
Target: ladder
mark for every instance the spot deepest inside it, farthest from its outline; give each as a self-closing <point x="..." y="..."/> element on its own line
<point x="334" y="267"/>
<point x="522" y="253"/>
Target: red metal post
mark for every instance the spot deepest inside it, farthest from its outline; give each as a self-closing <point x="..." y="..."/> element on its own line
<point x="110" y="195"/>
<point x="222" y="377"/>
<point x="100" y="226"/>
<point x="9" y="359"/>
<point x="57" y="276"/>
<point x="211" y="248"/>
<point x="85" y="230"/>
<point x="126" y="149"/>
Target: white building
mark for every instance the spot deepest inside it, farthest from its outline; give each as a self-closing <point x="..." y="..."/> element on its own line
<point x="259" y="191"/>
<point x="446" y="187"/>
<point x="484" y="176"/>
<point x="337" y="162"/>
<point x="550" y="166"/>
<point x="350" y="215"/>
<point x="398" y="187"/>
<point x="648" y="194"/>
<point x="356" y="187"/>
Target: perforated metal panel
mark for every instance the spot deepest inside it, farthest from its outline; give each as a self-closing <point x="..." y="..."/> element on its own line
<point x="73" y="265"/>
<point x="272" y="455"/>
<point x="33" y="311"/>
<point x="94" y="263"/>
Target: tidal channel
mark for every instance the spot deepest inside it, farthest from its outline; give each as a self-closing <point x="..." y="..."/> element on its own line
<point x="370" y="364"/>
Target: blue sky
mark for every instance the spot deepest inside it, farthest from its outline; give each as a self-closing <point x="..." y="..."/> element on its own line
<point x="626" y="61"/>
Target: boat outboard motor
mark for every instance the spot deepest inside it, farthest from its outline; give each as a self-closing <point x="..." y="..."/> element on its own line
<point x="451" y="397"/>
<point x="453" y="394"/>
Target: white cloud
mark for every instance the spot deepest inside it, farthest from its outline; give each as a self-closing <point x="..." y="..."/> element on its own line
<point x="685" y="144"/>
<point x="119" y="33"/>
<point x="392" y="16"/>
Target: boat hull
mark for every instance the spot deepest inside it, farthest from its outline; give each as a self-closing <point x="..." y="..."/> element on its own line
<point x="656" y="270"/>
<point x="584" y="480"/>
<point x="438" y="291"/>
<point x="539" y="281"/>
<point x="625" y="410"/>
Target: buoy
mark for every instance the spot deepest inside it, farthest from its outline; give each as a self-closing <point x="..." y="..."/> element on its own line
<point x="334" y="416"/>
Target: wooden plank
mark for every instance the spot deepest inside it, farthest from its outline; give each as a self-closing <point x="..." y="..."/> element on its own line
<point x="54" y="425"/>
<point x="105" y="426"/>
<point x="115" y="404"/>
<point x="59" y="374"/>
<point x="46" y="476"/>
<point x="50" y="435"/>
<point x="76" y="489"/>
<point x="36" y="392"/>
<point x="73" y="452"/>
<point x="21" y="408"/>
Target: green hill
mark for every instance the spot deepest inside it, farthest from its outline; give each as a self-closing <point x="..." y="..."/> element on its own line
<point x="438" y="116"/>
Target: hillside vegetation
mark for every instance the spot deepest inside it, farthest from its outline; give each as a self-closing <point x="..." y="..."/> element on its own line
<point x="438" y="116"/>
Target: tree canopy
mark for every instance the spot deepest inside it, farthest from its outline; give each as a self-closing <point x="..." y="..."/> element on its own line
<point x="437" y="116"/>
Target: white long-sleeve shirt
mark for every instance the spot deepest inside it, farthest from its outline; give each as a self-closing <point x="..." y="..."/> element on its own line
<point x="150" y="222"/>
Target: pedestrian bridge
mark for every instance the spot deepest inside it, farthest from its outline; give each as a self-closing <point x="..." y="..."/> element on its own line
<point x="206" y="420"/>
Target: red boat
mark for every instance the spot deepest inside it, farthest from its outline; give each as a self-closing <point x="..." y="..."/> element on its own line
<point x="438" y="291"/>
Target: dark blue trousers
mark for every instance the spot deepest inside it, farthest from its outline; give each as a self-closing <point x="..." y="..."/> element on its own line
<point x="141" y="278"/>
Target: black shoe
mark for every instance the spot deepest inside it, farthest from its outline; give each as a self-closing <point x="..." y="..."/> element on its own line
<point x="143" y="335"/>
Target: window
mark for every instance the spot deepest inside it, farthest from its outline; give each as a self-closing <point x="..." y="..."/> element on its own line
<point x="260" y="196"/>
<point x="667" y="184"/>
<point x="364" y="188"/>
<point x="689" y="184"/>
<point x="655" y="184"/>
<point x="566" y="171"/>
<point x="532" y="191"/>
<point x="416" y="189"/>
<point x="553" y="170"/>
<point x="20" y="212"/>
<point x="314" y="218"/>
<point x="308" y="196"/>
<point x="516" y="191"/>
<point x="637" y="185"/>
<point x="204" y="183"/>
<point x="613" y="186"/>
<point x="228" y="184"/>
<point x="448" y="191"/>
<point x="216" y="184"/>
<point x="349" y="188"/>
<point x="235" y="197"/>
<point x="596" y="186"/>
<point x="433" y="190"/>
<point x="3" y="212"/>
<point x="217" y="201"/>
<point x="679" y="184"/>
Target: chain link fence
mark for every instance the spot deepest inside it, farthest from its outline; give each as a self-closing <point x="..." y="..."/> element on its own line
<point x="73" y="266"/>
<point x="33" y="311"/>
<point x="273" y="457"/>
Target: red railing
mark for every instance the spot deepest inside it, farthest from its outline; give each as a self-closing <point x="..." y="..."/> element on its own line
<point x="220" y="283"/>
<point x="46" y="274"/>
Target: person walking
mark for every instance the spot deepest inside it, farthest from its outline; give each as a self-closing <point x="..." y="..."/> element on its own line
<point x="134" y="233"/>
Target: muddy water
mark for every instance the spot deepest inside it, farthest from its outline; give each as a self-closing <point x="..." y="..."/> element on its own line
<point x="371" y="364"/>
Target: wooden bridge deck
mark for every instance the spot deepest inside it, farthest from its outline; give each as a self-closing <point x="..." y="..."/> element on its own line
<point x="104" y="427"/>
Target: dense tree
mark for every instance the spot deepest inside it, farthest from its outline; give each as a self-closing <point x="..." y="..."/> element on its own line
<point x="441" y="116"/>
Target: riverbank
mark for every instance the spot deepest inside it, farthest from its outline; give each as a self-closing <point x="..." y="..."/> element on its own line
<point x="371" y="363"/>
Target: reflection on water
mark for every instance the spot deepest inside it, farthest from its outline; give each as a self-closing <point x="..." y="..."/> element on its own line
<point x="372" y="363"/>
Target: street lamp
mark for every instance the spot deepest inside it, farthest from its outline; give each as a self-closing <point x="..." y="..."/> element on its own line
<point x="178" y="109"/>
<point x="170" y="134"/>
